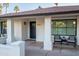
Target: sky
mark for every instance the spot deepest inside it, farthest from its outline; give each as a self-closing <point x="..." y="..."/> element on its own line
<point x="31" y="6"/>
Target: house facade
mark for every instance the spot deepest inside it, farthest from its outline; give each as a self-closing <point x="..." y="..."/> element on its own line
<point x="41" y="25"/>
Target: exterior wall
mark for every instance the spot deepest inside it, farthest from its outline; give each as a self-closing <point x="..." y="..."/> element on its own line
<point x="21" y="31"/>
<point x="78" y="30"/>
<point x="40" y="29"/>
<point x="26" y="28"/>
<point x="18" y="35"/>
<point x="10" y="31"/>
<point x="47" y="34"/>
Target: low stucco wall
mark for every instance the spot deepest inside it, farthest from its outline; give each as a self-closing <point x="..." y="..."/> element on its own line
<point x="2" y="40"/>
<point x="13" y="49"/>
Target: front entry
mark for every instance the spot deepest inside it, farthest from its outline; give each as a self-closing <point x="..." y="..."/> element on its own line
<point x="33" y="30"/>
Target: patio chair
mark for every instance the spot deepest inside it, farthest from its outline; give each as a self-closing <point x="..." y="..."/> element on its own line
<point x="72" y="39"/>
<point x="64" y="39"/>
<point x="57" y="39"/>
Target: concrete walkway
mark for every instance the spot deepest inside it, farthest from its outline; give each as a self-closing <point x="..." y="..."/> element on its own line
<point x="36" y="49"/>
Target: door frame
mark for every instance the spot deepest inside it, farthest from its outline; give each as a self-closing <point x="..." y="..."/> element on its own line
<point x="34" y="39"/>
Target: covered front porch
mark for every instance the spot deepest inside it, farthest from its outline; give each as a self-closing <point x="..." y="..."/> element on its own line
<point x="38" y="29"/>
<point x="26" y="28"/>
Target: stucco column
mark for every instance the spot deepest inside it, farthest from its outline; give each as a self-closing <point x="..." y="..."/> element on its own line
<point x="78" y="30"/>
<point x="10" y="30"/>
<point x="47" y="34"/>
<point x="18" y="30"/>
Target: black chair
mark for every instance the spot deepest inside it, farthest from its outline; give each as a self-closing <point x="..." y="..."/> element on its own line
<point x="57" y="39"/>
<point x="64" y="39"/>
<point x="72" y="39"/>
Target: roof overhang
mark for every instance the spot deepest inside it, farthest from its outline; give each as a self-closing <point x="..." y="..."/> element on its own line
<point x="39" y="14"/>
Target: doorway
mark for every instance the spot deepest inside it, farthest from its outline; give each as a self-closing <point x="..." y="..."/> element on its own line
<point x="33" y="30"/>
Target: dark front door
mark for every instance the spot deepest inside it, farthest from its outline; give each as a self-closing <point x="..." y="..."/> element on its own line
<point x="33" y="29"/>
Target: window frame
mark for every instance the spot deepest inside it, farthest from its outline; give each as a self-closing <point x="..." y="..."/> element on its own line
<point x="2" y="27"/>
<point x="65" y="27"/>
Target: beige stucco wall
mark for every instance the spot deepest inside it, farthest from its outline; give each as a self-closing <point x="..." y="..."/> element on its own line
<point x="47" y="34"/>
<point x="18" y="29"/>
<point x="77" y="30"/>
<point x="39" y="28"/>
<point x="23" y="31"/>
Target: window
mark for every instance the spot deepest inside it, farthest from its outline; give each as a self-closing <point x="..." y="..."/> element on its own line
<point x="64" y="27"/>
<point x="3" y="27"/>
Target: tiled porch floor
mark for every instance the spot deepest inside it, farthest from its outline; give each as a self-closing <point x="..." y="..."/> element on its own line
<point x="36" y="49"/>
